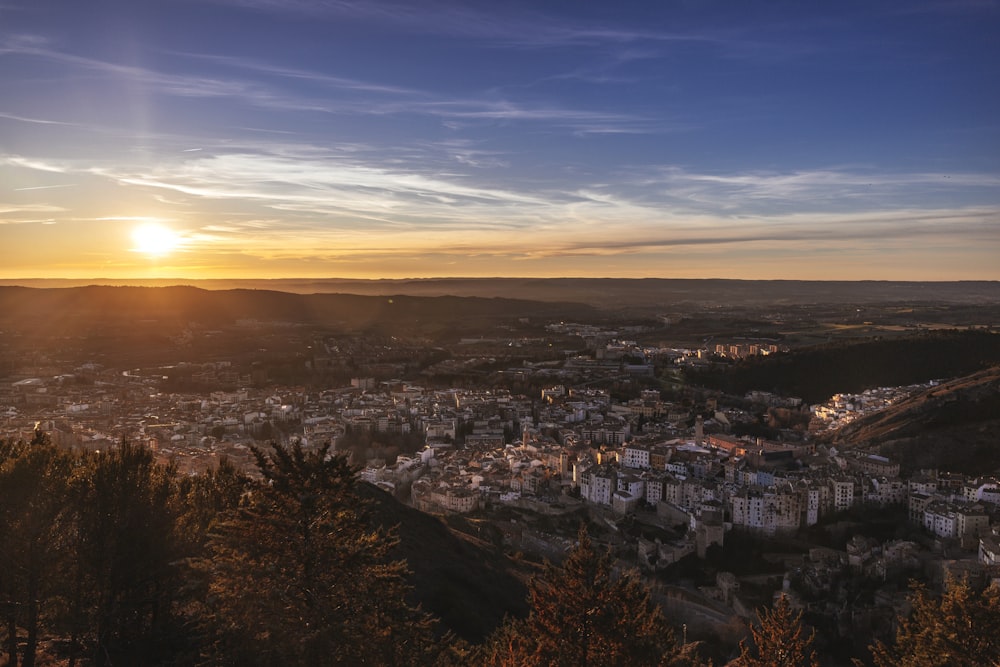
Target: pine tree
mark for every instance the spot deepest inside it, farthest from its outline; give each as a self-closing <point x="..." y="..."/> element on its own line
<point x="34" y="510"/>
<point x="779" y="641"/>
<point x="126" y="549"/>
<point x="582" y="614"/>
<point x="298" y="576"/>
<point x="959" y="628"/>
<point x="204" y="498"/>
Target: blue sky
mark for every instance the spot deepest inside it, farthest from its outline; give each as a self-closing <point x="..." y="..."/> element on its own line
<point x="281" y="138"/>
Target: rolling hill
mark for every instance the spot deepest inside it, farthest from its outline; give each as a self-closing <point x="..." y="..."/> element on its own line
<point x="26" y="308"/>
<point x="953" y="426"/>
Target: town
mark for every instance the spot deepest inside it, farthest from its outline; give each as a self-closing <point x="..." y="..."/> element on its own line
<point x="672" y="475"/>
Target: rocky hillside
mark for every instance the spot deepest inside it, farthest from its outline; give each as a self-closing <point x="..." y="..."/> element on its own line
<point x="468" y="584"/>
<point x="953" y="426"/>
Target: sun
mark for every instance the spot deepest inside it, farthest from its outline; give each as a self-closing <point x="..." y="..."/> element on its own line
<point x="154" y="239"/>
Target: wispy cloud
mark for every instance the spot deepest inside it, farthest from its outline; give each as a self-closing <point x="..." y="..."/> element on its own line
<point x="182" y="85"/>
<point x="803" y="235"/>
<point x="367" y="98"/>
<point x="401" y="100"/>
<point x="46" y="187"/>
<point x="354" y="203"/>
<point x="36" y="121"/>
<point x="339" y="186"/>
<point x="313" y="77"/>
<point x="848" y="230"/>
<point x="21" y="214"/>
<point x="503" y="111"/>
<point x="844" y="188"/>
<point x="29" y="208"/>
<point x="35" y="164"/>
<point x="478" y="159"/>
<point x="788" y="184"/>
<point x="316" y="185"/>
<point x="503" y="26"/>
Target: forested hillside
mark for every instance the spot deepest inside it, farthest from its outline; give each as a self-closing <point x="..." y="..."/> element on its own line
<point x="814" y="374"/>
<point x="113" y="559"/>
<point x="76" y="308"/>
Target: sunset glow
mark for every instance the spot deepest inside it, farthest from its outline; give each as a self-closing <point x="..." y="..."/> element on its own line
<point x="154" y="239"/>
<point x="739" y="140"/>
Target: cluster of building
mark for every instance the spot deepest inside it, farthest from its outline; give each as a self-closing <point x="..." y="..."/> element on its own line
<point x="582" y="448"/>
<point x="843" y="409"/>
<point x="744" y="349"/>
<point x="484" y="448"/>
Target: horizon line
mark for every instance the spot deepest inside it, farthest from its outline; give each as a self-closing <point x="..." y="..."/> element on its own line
<point x="182" y="280"/>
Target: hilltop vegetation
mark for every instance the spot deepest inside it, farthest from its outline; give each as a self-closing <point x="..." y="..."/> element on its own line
<point x="814" y="374"/>
<point x="80" y="308"/>
<point x="614" y="293"/>
<point x="111" y="558"/>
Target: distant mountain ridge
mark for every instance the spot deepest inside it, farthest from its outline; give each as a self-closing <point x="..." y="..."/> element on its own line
<point x="184" y="303"/>
<point x="602" y="292"/>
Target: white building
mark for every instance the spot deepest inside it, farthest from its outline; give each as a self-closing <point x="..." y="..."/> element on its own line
<point x="623" y="502"/>
<point x="982" y="490"/>
<point x="598" y="483"/>
<point x="883" y="491"/>
<point x="941" y="520"/>
<point x="654" y="489"/>
<point x="636" y="456"/>
<point x="766" y="510"/>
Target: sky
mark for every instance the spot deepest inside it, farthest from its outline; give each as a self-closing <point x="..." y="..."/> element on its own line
<point x="375" y="139"/>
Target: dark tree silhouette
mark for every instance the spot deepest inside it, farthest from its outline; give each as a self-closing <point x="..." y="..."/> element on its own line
<point x="779" y="641"/>
<point x="961" y="628"/>
<point x="204" y="498"/>
<point x="126" y="551"/>
<point x="582" y="614"/>
<point x="299" y="577"/>
<point x="34" y="507"/>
